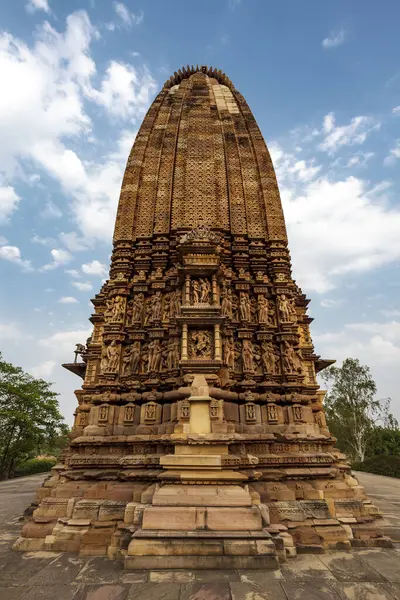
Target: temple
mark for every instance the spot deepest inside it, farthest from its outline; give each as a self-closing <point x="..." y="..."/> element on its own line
<point x="200" y="438"/>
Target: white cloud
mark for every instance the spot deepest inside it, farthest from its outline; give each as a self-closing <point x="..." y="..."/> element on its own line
<point x="356" y="132"/>
<point x="396" y="110"/>
<point x="3" y="240"/>
<point x="83" y="286"/>
<point x="43" y="241"/>
<point x="330" y="303"/>
<point x="390" y="313"/>
<point x="394" y="155"/>
<point x="233" y="4"/>
<point x="10" y="332"/>
<point x="13" y="254"/>
<point x="94" y="268"/>
<point x="335" y="38"/>
<point x="73" y="242"/>
<point x="125" y="91"/>
<point x="34" y="5"/>
<point x="43" y="369"/>
<point x="335" y="226"/>
<point x="54" y="77"/>
<point x="9" y="201"/>
<point x="126" y="18"/>
<point x="63" y="342"/>
<point x="360" y="159"/>
<point x="60" y="257"/>
<point x="68" y="300"/>
<point x="72" y="272"/>
<point x="51" y="211"/>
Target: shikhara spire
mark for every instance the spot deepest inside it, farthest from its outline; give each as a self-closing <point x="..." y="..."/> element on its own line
<point x="200" y="434"/>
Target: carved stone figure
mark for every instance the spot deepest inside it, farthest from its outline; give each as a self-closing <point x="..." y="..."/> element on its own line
<point x="166" y="307"/>
<point x="175" y="304"/>
<point x="245" y="307"/>
<point x="148" y="313"/>
<point x="118" y="308"/>
<point x="205" y="288"/>
<point x="173" y="355"/>
<point x="253" y="310"/>
<point x="272" y="412"/>
<point x="103" y="359"/>
<point x="137" y="308"/>
<point x="268" y="358"/>
<point x="113" y="352"/>
<point x="201" y="344"/>
<point x="229" y="352"/>
<point x="290" y="358"/>
<point x="127" y="361"/>
<point x="226" y="305"/>
<point x="247" y="356"/>
<point x="135" y="357"/>
<point x="156" y="306"/>
<point x="196" y="291"/>
<point x="284" y="308"/>
<point x="263" y="309"/>
<point x="79" y="350"/>
<point x="154" y="358"/>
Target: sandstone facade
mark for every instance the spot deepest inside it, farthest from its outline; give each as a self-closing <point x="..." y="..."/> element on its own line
<point x="200" y="438"/>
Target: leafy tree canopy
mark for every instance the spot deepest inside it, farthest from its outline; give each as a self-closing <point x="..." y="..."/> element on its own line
<point x="353" y="413"/>
<point x="30" y="421"/>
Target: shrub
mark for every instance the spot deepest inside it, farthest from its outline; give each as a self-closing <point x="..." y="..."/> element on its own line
<point x="35" y="465"/>
<point x="380" y="465"/>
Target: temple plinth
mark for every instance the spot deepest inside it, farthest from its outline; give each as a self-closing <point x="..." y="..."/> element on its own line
<point x="200" y="438"/>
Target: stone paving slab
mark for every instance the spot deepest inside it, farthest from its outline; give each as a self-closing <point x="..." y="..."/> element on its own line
<point x="365" y="574"/>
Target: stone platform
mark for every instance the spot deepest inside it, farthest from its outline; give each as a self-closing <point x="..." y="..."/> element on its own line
<point x="371" y="574"/>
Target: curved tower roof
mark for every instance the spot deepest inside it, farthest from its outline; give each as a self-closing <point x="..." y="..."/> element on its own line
<point x="199" y="157"/>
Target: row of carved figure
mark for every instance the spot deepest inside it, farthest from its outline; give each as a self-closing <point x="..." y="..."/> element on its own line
<point x="264" y="357"/>
<point x="159" y="307"/>
<point x="158" y="356"/>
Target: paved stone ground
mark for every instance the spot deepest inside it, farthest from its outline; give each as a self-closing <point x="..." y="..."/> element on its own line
<point x="361" y="575"/>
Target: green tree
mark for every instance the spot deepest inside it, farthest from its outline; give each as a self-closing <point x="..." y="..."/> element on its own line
<point x="29" y="417"/>
<point x="352" y="411"/>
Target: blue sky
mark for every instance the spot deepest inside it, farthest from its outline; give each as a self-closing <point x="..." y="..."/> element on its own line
<point x="323" y="81"/>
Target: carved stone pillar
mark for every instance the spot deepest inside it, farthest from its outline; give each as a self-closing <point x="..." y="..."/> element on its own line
<point x="184" y="341"/>
<point x="217" y="338"/>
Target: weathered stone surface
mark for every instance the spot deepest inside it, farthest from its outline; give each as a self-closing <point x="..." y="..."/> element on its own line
<point x="200" y="401"/>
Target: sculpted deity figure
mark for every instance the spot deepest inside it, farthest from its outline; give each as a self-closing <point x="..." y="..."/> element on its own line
<point x="155" y="355"/>
<point x="229" y="352"/>
<point x="109" y="311"/>
<point x="135" y="356"/>
<point x="196" y="290"/>
<point x="247" y="356"/>
<point x="226" y="305"/>
<point x="268" y="357"/>
<point x="173" y="355"/>
<point x="113" y="357"/>
<point x="245" y="307"/>
<point x="118" y="309"/>
<point x="156" y="306"/>
<point x="201" y="343"/>
<point x="175" y="304"/>
<point x="137" y="308"/>
<point x="103" y="360"/>
<point x="166" y="307"/>
<point x="290" y="358"/>
<point x="148" y="313"/>
<point x="235" y="307"/>
<point x="205" y="288"/>
<point x="263" y="309"/>
<point x="127" y="361"/>
<point x="284" y="308"/>
<point x="253" y="310"/>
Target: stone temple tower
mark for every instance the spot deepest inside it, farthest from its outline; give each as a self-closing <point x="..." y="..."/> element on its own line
<point x="200" y="439"/>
